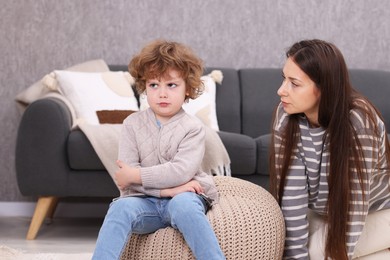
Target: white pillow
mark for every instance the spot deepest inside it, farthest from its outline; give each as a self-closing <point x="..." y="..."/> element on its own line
<point x="90" y="92"/>
<point x="204" y="106"/>
<point x="39" y="90"/>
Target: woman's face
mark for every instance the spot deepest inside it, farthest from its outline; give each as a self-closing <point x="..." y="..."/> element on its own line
<point x="298" y="93"/>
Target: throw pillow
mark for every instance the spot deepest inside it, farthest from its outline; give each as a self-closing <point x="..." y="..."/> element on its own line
<point x="90" y="92"/>
<point x="204" y="106"/>
<point x="113" y="116"/>
<point x="38" y="89"/>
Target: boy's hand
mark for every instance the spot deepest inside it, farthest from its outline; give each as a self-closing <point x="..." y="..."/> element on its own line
<point x="191" y="186"/>
<point x="126" y="175"/>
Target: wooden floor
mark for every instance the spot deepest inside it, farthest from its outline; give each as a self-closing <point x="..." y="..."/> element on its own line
<point x="63" y="235"/>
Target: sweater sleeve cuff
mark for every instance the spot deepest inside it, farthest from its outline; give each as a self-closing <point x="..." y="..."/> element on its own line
<point x="155" y="193"/>
<point x="146" y="177"/>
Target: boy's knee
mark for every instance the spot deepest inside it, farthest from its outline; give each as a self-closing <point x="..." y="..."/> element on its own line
<point x="186" y="203"/>
<point x="123" y="206"/>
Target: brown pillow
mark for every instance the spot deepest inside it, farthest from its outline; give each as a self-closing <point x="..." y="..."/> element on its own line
<point x="113" y="116"/>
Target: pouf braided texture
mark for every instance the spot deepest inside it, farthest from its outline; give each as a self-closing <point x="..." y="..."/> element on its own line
<point x="247" y="222"/>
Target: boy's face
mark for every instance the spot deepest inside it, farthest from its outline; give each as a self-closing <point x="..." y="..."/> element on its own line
<point x="166" y="95"/>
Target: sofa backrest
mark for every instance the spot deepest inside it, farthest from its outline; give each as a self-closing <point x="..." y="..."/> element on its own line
<point x="246" y="99"/>
<point x="259" y="99"/>
<point x="375" y="85"/>
<point x="228" y="100"/>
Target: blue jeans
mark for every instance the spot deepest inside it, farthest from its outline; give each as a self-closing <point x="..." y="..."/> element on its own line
<point x="144" y="215"/>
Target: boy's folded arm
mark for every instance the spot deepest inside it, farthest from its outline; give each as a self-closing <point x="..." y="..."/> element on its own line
<point x="181" y="169"/>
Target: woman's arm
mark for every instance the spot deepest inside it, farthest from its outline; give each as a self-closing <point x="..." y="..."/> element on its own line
<point x="294" y="208"/>
<point x="294" y="203"/>
<point x="373" y="150"/>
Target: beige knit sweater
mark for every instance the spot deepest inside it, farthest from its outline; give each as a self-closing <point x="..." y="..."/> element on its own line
<point x="169" y="155"/>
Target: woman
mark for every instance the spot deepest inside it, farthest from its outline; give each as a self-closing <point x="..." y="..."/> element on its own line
<point x="330" y="151"/>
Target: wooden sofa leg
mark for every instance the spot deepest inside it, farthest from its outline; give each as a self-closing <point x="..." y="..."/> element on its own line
<point x="52" y="209"/>
<point x="45" y="207"/>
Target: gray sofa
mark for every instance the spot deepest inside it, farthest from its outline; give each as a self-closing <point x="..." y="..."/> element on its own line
<point x="53" y="161"/>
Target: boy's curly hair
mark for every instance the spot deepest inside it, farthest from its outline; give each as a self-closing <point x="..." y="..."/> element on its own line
<point x="158" y="57"/>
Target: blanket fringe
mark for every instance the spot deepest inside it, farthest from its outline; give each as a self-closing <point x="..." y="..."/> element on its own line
<point x="221" y="170"/>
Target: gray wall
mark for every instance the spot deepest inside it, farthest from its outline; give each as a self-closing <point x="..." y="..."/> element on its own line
<point x="37" y="36"/>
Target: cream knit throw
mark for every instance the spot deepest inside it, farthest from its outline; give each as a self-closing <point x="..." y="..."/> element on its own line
<point x="104" y="138"/>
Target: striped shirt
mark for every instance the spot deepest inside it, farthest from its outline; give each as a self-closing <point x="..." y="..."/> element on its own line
<point x="306" y="183"/>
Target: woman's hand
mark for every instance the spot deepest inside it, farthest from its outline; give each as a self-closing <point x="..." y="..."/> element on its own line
<point x="191" y="186"/>
<point x="126" y="175"/>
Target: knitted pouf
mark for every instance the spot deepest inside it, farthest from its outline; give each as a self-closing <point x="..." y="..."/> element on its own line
<point x="247" y="222"/>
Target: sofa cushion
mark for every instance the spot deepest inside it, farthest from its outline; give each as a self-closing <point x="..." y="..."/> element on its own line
<point x="242" y="152"/>
<point x="259" y="99"/>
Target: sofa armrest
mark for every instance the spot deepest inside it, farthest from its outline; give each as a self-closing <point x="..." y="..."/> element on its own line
<point x="40" y="156"/>
<point x="242" y="152"/>
<point x="263" y="143"/>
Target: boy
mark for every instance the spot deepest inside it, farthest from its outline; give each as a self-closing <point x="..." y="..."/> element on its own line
<point x="160" y="153"/>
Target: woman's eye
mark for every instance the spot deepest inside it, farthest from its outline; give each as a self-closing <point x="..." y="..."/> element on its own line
<point x="172" y="85"/>
<point x="153" y="85"/>
<point x="294" y="84"/>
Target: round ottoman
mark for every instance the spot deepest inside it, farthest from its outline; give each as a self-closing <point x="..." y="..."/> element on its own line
<point x="247" y="222"/>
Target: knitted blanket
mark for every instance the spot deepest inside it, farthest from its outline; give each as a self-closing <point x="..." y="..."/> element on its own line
<point x="105" y="137"/>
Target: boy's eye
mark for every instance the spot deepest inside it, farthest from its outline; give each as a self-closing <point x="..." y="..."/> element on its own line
<point x="172" y="85"/>
<point x="153" y="85"/>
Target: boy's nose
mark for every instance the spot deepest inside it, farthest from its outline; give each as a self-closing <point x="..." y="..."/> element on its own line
<point x="163" y="93"/>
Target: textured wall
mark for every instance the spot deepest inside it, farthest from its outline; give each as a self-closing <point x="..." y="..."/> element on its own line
<point x="37" y="36"/>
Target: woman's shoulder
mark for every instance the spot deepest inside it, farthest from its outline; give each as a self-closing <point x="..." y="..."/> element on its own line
<point x="364" y="116"/>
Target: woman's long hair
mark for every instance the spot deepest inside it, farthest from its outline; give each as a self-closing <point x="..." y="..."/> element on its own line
<point x="325" y="65"/>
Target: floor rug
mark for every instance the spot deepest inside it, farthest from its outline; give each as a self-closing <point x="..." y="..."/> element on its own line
<point x="8" y="253"/>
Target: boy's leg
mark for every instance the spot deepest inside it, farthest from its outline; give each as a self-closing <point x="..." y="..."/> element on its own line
<point x="124" y="217"/>
<point x="187" y="214"/>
